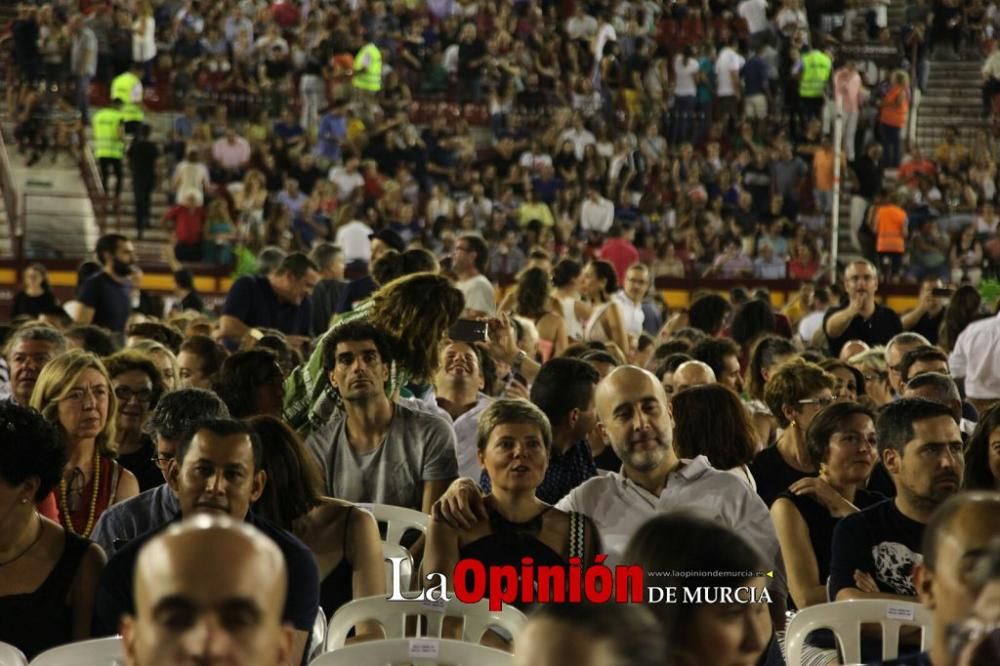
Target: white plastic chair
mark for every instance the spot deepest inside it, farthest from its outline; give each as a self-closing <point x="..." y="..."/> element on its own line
<point x="97" y="652"/>
<point x="845" y="618"/>
<point x="392" y="615"/>
<point x="397" y="519"/>
<point x="317" y="638"/>
<point x="405" y="567"/>
<point x="415" y="651"/>
<point x="11" y="656"/>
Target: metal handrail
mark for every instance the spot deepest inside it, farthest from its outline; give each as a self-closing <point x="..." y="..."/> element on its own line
<point x="10" y="202"/>
<point x="95" y="187"/>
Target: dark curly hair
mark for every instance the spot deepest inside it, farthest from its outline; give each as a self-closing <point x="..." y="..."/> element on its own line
<point x="752" y="319"/>
<point x="415" y="312"/>
<point x="30" y="446"/>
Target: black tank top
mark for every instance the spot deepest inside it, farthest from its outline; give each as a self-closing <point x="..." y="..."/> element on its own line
<point x="39" y="620"/>
<point x="337" y="588"/>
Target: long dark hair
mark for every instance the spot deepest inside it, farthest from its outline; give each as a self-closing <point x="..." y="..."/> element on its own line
<point x="532" y="293"/>
<point x="978" y="475"/>
<point x="763" y="355"/>
<point x="753" y="319"/>
<point x="963" y="309"/>
<point x="294" y="485"/>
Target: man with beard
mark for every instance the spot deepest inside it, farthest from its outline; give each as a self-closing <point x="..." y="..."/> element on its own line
<point x="28" y="350"/>
<point x="105" y="298"/>
<point x="862" y="318"/>
<point x="876" y="550"/>
<point x="634" y="415"/>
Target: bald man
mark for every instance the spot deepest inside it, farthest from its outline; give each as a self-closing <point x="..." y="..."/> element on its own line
<point x="209" y="590"/>
<point x="853" y="348"/>
<point x="959" y="532"/>
<point x="693" y="373"/>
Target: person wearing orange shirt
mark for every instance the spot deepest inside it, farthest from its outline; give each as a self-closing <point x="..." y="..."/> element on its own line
<point x="890" y="236"/>
<point x="892" y="117"/>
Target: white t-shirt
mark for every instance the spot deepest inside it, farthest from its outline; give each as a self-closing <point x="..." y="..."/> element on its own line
<point x="684" y="73"/>
<point x="810" y="325"/>
<point x="606" y="33"/>
<point x="479" y="294"/>
<point x="353" y="239"/>
<point x="581" y="27"/>
<point x="728" y="63"/>
<point x="346" y="182"/>
<point x="754" y="12"/>
<point x="580" y="139"/>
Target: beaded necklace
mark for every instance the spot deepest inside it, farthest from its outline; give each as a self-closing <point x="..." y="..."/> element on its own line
<point x="64" y="503"/>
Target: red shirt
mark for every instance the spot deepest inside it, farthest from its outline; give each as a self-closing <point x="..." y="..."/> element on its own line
<point x="188" y="224"/>
<point x="621" y="254"/>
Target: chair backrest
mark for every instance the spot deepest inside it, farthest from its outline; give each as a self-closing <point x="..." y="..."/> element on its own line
<point x="397" y="519"/>
<point x="392" y="615"/>
<point x="415" y="651"/>
<point x="98" y="652"/>
<point x="317" y="638"/>
<point x="845" y="618"/>
<point x="11" y="656"/>
<point x="405" y="567"/>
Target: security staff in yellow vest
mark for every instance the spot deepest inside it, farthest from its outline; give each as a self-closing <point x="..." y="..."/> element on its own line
<point x="367" y="79"/>
<point x="127" y="87"/>
<point x="109" y="143"/>
<point x="814" y="68"/>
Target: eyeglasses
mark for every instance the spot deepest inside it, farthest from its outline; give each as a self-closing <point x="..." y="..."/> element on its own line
<point x="822" y="402"/>
<point x="162" y="461"/>
<point x="124" y="394"/>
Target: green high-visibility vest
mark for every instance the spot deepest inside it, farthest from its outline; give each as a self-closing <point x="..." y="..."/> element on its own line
<point x="369" y="78"/>
<point x="121" y="88"/>
<point x="816" y="67"/>
<point x="107" y="141"/>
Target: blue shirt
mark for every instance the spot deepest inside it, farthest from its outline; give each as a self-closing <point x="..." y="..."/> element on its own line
<point x="332" y="130"/>
<point x="754" y="76"/>
<point x="566" y="471"/>
<point x="253" y="301"/>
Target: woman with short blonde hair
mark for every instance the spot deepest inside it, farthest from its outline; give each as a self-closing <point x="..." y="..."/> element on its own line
<point x="74" y="393"/>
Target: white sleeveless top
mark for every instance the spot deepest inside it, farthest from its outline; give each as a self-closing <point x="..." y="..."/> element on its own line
<point x="593" y="331"/>
<point x="574" y="331"/>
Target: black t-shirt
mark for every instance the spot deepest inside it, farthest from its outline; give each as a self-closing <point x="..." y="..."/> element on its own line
<point x="142" y="159"/>
<point x="252" y="300"/>
<point x="930" y="326"/>
<point x="821" y="524"/>
<point x="110" y="299"/>
<point x="880" y="482"/>
<point x="115" y="598"/>
<point x="881" y="542"/>
<point x="869" y="175"/>
<point x="878" y="330"/>
<point x="773" y="475"/>
<point x="33" y="305"/>
<point x="140" y="463"/>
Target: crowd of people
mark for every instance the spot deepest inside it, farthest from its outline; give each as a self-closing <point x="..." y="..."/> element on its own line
<point x="834" y="443"/>
<point x="701" y="136"/>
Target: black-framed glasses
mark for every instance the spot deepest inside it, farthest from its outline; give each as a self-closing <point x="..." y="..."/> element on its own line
<point x="162" y="461"/>
<point x="124" y="394"/>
